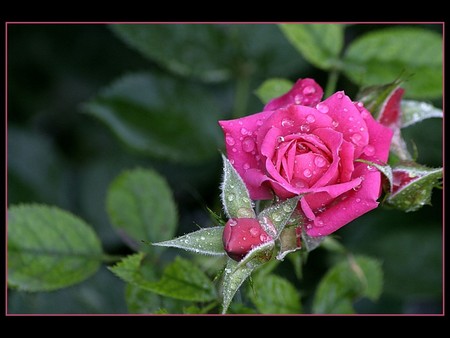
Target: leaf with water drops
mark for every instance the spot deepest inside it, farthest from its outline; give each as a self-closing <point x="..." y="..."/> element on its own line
<point x="235" y="196"/>
<point x="320" y="44"/>
<point x="309" y="242"/>
<point x="233" y="278"/>
<point x="181" y="279"/>
<point x="356" y="277"/>
<point x="413" y="185"/>
<point x="416" y="111"/>
<point x="207" y="241"/>
<point x="272" y="88"/>
<point x="261" y="254"/>
<point x="386" y="170"/>
<point x="376" y="97"/>
<point x="274" y="218"/>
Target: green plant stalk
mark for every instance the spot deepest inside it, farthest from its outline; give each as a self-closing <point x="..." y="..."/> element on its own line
<point x="331" y="82"/>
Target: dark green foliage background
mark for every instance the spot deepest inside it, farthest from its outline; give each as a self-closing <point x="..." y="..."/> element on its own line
<point x="59" y="155"/>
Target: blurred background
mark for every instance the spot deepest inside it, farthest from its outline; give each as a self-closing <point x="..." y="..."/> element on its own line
<point x="63" y="152"/>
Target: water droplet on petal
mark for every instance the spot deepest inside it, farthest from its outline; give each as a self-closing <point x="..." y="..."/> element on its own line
<point x="298" y="98"/>
<point x="340" y="96"/>
<point x="351" y="118"/>
<point x="319" y="222"/>
<point x="369" y="150"/>
<point x="361" y="129"/>
<point x="280" y="139"/>
<point x="304" y="128"/>
<point x="358" y="200"/>
<point x="244" y="131"/>
<point x="263" y="237"/>
<point x="287" y="123"/>
<point x="310" y="119"/>
<point x="234" y="150"/>
<point x="254" y="232"/>
<point x="357" y="187"/>
<point x="309" y="226"/>
<point x="246" y="166"/>
<point x="230" y="141"/>
<point x="323" y="108"/>
<point x="308" y="90"/>
<point x="319" y="161"/>
<point x="307" y="173"/>
<point x="259" y="123"/>
<point x="248" y="145"/>
<point x="360" y="104"/>
<point x="369" y="167"/>
<point x="232" y="161"/>
<point x="334" y="123"/>
<point x="356" y="138"/>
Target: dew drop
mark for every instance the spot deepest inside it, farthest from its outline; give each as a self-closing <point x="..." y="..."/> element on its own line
<point x="259" y="123"/>
<point x="277" y="217"/>
<point x="361" y="129"/>
<point x="234" y="150"/>
<point x="254" y="232"/>
<point x="335" y="123"/>
<point x="244" y="131"/>
<point x="298" y="98"/>
<point x="246" y="166"/>
<point x="244" y="238"/>
<point x="369" y="150"/>
<point x="202" y="238"/>
<point x="340" y="96"/>
<point x="230" y="141"/>
<point x="351" y="118"/>
<point x="319" y="161"/>
<point x="287" y="208"/>
<point x="356" y="138"/>
<point x="280" y="139"/>
<point x="230" y="197"/>
<point x="357" y="187"/>
<point x="287" y="123"/>
<point x="364" y="114"/>
<point x="307" y="173"/>
<point x="360" y="104"/>
<point x="232" y="161"/>
<point x="300" y="184"/>
<point x="319" y="222"/>
<point x="308" y="90"/>
<point x="358" y="200"/>
<point x="309" y="226"/>
<point x="310" y="119"/>
<point x="263" y="237"/>
<point x="304" y="128"/>
<point x="322" y="108"/>
<point x="370" y="168"/>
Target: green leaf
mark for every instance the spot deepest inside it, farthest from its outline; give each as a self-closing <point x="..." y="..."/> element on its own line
<point x="386" y="170"/>
<point x="320" y="44"/>
<point x="207" y="241"/>
<point x="275" y="295"/>
<point x="356" y="277"/>
<point x="233" y="278"/>
<point x="260" y="254"/>
<point x="272" y="88"/>
<point x="379" y="56"/>
<point x="413" y="185"/>
<point x="142" y="301"/>
<point x="181" y="279"/>
<point x="289" y="242"/>
<point x="416" y="111"/>
<point x="235" y="196"/>
<point x="141" y="207"/>
<point x="375" y="97"/>
<point x="160" y="117"/>
<point x="188" y="50"/>
<point x="274" y="218"/>
<point x="49" y="248"/>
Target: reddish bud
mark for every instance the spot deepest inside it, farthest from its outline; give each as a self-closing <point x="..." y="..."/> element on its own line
<point x="241" y="235"/>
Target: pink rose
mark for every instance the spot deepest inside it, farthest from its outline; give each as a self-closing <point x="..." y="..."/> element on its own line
<point x="292" y="148"/>
<point x="241" y="235"/>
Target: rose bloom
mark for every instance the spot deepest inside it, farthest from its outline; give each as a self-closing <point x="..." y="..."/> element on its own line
<point x="301" y="146"/>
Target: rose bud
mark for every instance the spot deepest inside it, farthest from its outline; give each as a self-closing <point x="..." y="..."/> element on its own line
<point x="241" y="235"/>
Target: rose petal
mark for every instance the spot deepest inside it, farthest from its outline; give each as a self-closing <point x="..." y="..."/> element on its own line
<point x="349" y="121"/>
<point x="350" y="206"/>
<point x="346" y="159"/>
<point x="379" y="140"/>
<point x="305" y="92"/>
<point x="241" y="142"/>
<point x="299" y="115"/>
